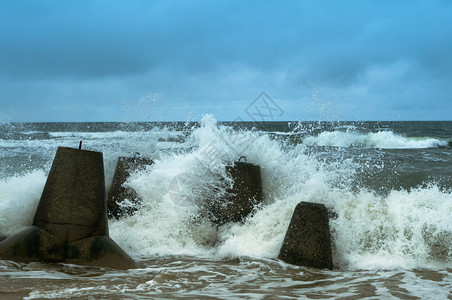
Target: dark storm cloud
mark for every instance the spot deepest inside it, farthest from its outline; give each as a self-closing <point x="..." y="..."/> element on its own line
<point x="66" y="38"/>
<point x="330" y="40"/>
<point x="369" y="51"/>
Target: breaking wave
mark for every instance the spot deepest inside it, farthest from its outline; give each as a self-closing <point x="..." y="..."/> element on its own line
<point x="380" y="139"/>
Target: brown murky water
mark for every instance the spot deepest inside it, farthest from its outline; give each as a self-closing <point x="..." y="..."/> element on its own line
<point x="238" y="278"/>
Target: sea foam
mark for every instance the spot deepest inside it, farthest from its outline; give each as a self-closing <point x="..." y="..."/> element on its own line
<point x="19" y="197"/>
<point x="380" y="139"/>
<point x="403" y="229"/>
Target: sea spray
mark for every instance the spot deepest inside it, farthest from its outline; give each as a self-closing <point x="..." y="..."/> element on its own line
<point x="400" y="230"/>
<point x="368" y="230"/>
<point x="19" y="197"/>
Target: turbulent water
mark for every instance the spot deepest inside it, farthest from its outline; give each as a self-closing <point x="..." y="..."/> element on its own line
<point x="387" y="186"/>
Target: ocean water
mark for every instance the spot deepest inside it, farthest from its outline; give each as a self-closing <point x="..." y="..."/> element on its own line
<point x="387" y="186"/>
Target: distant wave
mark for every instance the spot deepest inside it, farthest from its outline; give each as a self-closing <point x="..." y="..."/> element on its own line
<point x="381" y="139"/>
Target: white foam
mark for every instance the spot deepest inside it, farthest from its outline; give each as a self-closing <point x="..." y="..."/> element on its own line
<point x="404" y="229"/>
<point x="19" y="197"/>
<point x="380" y="139"/>
<point x="370" y="231"/>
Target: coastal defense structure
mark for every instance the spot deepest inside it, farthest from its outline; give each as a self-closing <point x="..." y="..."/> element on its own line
<point x="70" y="224"/>
<point x="307" y="241"/>
<point x="246" y="192"/>
<point x="118" y="193"/>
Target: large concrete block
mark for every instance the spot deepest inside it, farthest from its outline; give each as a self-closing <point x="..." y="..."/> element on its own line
<point x="70" y="223"/>
<point x="245" y="194"/>
<point x="37" y="244"/>
<point x="74" y="196"/>
<point x="307" y="241"/>
<point x="118" y="193"/>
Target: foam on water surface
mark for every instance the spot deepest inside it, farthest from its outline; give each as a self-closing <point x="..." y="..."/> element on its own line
<point x="380" y="139"/>
<point x="405" y="229"/>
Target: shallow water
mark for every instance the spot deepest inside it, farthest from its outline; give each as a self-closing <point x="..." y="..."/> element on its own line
<point x="171" y="278"/>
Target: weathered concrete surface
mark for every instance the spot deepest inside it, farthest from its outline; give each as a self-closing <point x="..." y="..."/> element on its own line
<point x="37" y="244"/>
<point x="307" y="241"/>
<point x="70" y="223"/>
<point x="118" y="192"/>
<point x="245" y="194"/>
<point x="72" y="205"/>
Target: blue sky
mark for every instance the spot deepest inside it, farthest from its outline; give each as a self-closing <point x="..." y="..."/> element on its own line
<point x="177" y="60"/>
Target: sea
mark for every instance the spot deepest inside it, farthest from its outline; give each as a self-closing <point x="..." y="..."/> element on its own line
<point x="387" y="187"/>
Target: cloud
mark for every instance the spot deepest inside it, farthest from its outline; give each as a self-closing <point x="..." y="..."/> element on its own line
<point x="209" y="54"/>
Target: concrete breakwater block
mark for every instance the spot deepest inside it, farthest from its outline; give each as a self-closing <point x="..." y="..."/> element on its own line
<point x="307" y="241"/>
<point x="70" y="223"/>
<point x="245" y="194"/>
<point x="118" y="193"/>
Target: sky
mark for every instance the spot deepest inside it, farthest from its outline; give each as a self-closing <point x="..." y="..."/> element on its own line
<point x="109" y="60"/>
